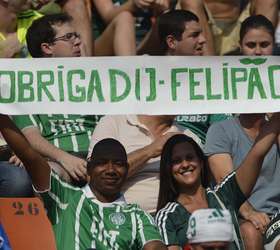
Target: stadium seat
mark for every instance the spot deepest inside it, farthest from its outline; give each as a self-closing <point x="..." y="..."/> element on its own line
<point x="26" y="224"/>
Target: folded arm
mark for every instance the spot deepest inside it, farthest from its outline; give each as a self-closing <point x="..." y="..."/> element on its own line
<point x="35" y="164"/>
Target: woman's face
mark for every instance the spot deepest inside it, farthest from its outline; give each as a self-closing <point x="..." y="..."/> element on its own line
<point x="186" y="166"/>
<point x="257" y="42"/>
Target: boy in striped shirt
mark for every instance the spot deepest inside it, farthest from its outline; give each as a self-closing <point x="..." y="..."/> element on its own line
<point x="96" y="216"/>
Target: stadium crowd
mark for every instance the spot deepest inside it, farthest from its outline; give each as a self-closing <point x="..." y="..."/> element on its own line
<point x="200" y="181"/>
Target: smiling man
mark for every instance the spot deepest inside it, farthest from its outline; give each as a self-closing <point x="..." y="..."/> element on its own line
<point x="96" y="216"/>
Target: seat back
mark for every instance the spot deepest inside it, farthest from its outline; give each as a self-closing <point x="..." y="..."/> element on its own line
<point x="26" y="224"/>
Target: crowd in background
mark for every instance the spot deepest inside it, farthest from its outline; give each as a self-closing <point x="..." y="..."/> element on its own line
<point x="171" y="160"/>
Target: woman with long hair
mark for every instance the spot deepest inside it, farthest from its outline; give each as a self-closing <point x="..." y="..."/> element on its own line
<point x="183" y="182"/>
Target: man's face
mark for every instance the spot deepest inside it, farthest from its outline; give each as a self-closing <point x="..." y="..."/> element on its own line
<point x="107" y="177"/>
<point x="67" y="42"/>
<point x="192" y="41"/>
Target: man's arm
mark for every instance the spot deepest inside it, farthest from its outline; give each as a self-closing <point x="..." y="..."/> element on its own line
<point x="249" y="170"/>
<point x="108" y="11"/>
<point x="75" y="166"/>
<point x="34" y="163"/>
<point x="155" y="245"/>
<point x="268" y="8"/>
<point x="221" y="165"/>
<point x="138" y="158"/>
<point x="10" y="47"/>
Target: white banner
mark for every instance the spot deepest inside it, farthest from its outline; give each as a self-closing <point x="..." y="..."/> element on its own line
<point x="140" y="85"/>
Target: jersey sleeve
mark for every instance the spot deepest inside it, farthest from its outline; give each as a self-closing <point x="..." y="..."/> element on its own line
<point x="25" y="121"/>
<point x="147" y="230"/>
<point x="57" y="197"/>
<point x="230" y="192"/>
<point x="166" y="228"/>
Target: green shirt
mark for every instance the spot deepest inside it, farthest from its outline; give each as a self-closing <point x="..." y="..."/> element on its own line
<point x="199" y="124"/>
<point x="71" y="133"/>
<point x="172" y="220"/>
<point x="81" y="222"/>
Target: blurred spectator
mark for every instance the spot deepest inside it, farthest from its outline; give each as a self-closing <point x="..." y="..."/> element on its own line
<point x="15" y="19"/>
<point x="97" y="216"/>
<point x="229" y="142"/>
<point x="63" y="139"/>
<point x="180" y="34"/>
<point x="184" y="178"/>
<point x="143" y="137"/>
<point x="225" y="18"/>
<point x="210" y="228"/>
<point x="277" y="37"/>
<point x="144" y="11"/>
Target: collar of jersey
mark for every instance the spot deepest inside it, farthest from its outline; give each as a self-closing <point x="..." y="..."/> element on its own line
<point x="90" y="195"/>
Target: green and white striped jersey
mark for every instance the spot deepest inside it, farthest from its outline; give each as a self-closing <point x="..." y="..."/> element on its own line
<point x="173" y="219"/>
<point x="82" y="222"/>
<point x="71" y="133"/>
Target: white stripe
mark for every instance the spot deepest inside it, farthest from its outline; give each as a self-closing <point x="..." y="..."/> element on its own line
<point x="55" y="142"/>
<point x="80" y="126"/>
<point x="162" y="217"/>
<point x="141" y="229"/>
<point x="75" y="143"/>
<point x="60" y="204"/>
<point x="134" y="229"/>
<point x="93" y="230"/>
<point x="89" y="133"/>
<point x="217" y="187"/>
<point x="150" y="218"/>
<point x="77" y="222"/>
<point x="102" y="236"/>
<point x="40" y="126"/>
<point x="62" y="183"/>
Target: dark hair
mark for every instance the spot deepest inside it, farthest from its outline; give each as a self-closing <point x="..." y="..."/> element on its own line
<point x="168" y="189"/>
<point x="108" y="149"/>
<point x="41" y="31"/>
<point x="256" y="22"/>
<point x="173" y="23"/>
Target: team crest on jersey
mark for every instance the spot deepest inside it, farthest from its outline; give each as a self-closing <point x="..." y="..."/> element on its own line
<point x="117" y="218"/>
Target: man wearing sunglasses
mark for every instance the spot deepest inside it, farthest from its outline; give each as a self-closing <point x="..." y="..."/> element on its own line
<point x="62" y="139"/>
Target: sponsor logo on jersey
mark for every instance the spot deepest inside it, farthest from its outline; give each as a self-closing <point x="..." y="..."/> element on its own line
<point x="192" y="118"/>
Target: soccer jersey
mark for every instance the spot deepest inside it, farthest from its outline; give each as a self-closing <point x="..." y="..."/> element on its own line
<point x="24" y="21"/>
<point x="81" y="222"/>
<point x="199" y="124"/>
<point x="173" y="219"/>
<point x="70" y="133"/>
